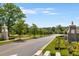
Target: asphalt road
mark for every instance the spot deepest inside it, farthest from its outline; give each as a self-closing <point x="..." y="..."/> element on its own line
<point x="27" y="48"/>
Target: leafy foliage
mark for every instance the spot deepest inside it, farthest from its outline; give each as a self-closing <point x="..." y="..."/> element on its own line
<point x="9" y="14"/>
<point x="19" y="27"/>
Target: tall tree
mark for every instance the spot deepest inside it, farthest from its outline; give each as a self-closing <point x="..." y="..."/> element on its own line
<point x="19" y="27"/>
<point x="34" y="29"/>
<point x="26" y="29"/>
<point x="9" y="14"/>
<point x="40" y="31"/>
<point x="59" y="29"/>
<point x="53" y="30"/>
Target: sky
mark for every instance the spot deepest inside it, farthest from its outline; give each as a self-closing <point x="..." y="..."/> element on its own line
<point x="50" y="14"/>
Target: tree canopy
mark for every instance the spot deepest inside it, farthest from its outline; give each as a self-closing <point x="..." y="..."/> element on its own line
<point x="9" y="14"/>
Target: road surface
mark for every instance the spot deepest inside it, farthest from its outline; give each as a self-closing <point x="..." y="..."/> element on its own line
<point x="27" y="48"/>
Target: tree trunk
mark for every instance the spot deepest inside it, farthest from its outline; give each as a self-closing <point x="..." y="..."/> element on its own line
<point x="8" y="25"/>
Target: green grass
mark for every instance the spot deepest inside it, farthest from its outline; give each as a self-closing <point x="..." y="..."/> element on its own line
<point x="6" y="42"/>
<point x="53" y="47"/>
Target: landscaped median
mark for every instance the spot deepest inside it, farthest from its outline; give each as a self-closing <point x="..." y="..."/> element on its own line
<point x="53" y="47"/>
<point x="59" y="44"/>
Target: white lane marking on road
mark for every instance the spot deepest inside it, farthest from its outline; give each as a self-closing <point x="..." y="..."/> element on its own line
<point x="3" y="52"/>
<point x="14" y="55"/>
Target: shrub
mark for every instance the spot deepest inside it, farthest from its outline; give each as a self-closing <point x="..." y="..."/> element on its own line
<point x="53" y="52"/>
<point x="64" y="52"/>
<point x="75" y="53"/>
<point x="1" y="39"/>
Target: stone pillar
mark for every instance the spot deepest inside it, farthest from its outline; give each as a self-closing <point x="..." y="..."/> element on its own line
<point x="5" y="32"/>
<point x="72" y="32"/>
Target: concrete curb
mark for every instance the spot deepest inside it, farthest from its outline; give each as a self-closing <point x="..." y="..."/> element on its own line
<point x="47" y="44"/>
<point x="41" y="49"/>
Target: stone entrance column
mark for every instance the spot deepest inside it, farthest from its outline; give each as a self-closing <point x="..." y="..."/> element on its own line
<point x="5" y="32"/>
<point x="72" y="32"/>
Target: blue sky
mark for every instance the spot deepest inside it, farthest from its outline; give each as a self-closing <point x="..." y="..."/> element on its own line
<point x="50" y="14"/>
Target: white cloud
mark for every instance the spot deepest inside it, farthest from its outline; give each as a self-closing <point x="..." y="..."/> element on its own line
<point x="47" y="11"/>
<point x="28" y="11"/>
<point x="53" y="13"/>
<point x="49" y="8"/>
<point x="44" y="8"/>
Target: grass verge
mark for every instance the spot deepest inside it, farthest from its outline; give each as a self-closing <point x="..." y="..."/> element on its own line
<point x="15" y="38"/>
